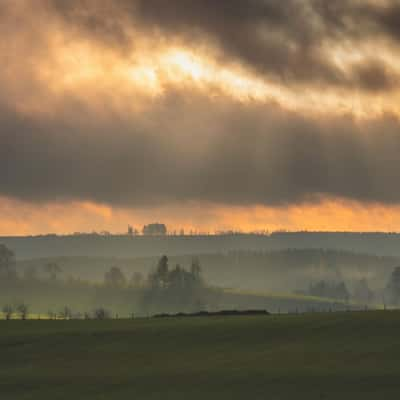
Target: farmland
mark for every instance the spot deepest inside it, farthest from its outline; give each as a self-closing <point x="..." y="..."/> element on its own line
<point x="347" y="355"/>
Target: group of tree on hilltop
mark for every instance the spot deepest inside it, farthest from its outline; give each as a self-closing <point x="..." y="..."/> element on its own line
<point x="178" y="277"/>
<point x="175" y="289"/>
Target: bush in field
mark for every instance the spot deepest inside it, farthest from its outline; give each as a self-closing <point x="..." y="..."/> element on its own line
<point x="86" y="315"/>
<point x="101" y="313"/>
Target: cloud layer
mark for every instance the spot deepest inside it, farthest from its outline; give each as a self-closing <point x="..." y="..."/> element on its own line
<point x="93" y="110"/>
<point x="291" y="41"/>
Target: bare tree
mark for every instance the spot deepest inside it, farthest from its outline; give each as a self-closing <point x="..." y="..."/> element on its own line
<point x="22" y="310"/>
<point x="51" y="314"/>
<point x="8" y="311"/>
<point x="86" y="315"/>
<point x="66" y="313"/>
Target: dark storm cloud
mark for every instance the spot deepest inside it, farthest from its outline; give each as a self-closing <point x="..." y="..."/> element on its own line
<point x="228" y="153"/>
<point x="287" y="40"/>
<point x="186" y="145"/>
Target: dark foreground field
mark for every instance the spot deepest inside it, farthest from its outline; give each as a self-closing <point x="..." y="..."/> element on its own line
<point x="315" y="356"/>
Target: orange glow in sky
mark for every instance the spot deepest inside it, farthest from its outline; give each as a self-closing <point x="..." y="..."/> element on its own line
<point x="330" y="215"/>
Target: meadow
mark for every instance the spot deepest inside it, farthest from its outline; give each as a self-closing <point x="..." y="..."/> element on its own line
<point x="344" y="355"/>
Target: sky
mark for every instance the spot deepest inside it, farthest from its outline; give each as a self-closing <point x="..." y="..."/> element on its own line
<point x="205" y="115"/>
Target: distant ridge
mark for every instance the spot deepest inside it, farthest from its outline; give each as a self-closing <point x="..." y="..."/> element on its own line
<point x="383" y="244"/>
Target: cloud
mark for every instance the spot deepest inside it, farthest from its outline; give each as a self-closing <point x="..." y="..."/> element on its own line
<point x="289" y="41"/>
<point x="187" y="147"/>
<point x="77" y="125"/>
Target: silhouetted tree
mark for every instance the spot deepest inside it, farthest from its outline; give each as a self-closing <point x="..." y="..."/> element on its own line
<point x="160" y="277"/>
<point x="130" y="230"/>
<point x="393" y="285"/>
<point x="176" y="289"/>
<point x="114" y="278"/>
<point x="195" y="269"/>
<point x="362" y="292"/>
<point x="176" y="278"/>
<point x="22" y="310"/>
<point x="66" y="313"/>
<point x="52" y="269"/>
<point x="8" y="311"/>
<point x="7" y="263"/>
<point x="51" y="314"/>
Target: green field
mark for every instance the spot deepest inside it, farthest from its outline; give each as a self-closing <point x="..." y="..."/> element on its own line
<point x="345" y="355"/>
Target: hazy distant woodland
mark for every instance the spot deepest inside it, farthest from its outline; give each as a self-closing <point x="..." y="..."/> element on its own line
<point x="277" y="280"/>
<point x="273" y="271"/>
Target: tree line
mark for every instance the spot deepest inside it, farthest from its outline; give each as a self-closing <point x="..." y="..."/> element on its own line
<point x="166" y="288"/>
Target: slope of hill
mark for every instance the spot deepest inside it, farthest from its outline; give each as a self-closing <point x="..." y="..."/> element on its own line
<point x="144" y="246"/>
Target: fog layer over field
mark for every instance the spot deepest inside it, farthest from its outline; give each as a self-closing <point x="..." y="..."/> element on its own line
<point x="211" y="272"/>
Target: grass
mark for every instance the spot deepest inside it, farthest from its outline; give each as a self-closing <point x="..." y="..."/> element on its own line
<point x="349" y="355"/>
